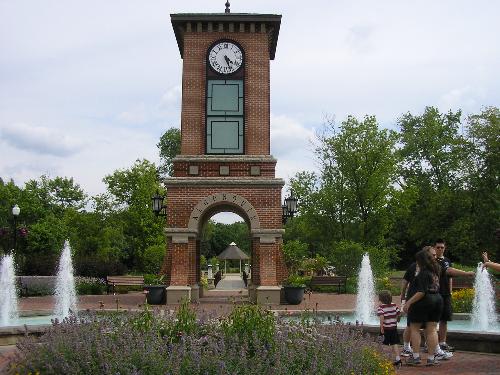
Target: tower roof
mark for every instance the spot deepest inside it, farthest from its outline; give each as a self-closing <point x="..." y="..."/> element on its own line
<point x="269" y="23"/>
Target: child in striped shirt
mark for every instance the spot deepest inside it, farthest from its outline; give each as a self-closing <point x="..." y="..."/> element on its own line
<point x="389" y="315"/>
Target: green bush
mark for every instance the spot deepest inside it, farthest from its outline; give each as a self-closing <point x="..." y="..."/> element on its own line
<point x="38" y="290"/>
<point x="95" y="267"/>
<point x="154" y="279"/>
<point x="384" y="283"/>
<point x="213" y="261"/>
<point x="250" y="322"/>
<point x="294" y="252"/>
<point x="203" y="262"/>
<point x="152" y="258"/>
<point x="297" y="281"/>
<point x="90" y="286"/>
<point x="346" y="257"/>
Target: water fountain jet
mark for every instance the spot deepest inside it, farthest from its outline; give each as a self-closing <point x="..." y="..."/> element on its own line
<point x="65" y="285"/>
<point x="8" y="296"/>
<point x="365" y="300"/>
<point x="484" y="316"/>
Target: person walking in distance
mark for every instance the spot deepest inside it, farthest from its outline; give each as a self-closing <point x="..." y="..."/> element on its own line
<point x="245" y="278"/>
<point x="445" y="288"/>
<point x="217" y="277"/>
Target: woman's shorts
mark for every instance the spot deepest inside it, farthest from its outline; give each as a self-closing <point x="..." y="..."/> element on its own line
<point x="428" y="309"/>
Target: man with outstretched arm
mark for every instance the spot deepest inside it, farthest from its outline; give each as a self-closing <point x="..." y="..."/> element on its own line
<point x="445" y="288"/>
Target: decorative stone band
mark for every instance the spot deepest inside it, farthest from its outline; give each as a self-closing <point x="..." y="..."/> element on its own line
<point x="225" y="159"/>
<point x="222" y="181"/>
<point x="240" y="204"/>
<point x="268" y="235"/>
<point x="181" y="235"/>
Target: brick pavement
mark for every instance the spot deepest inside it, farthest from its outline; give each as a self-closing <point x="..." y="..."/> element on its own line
<point x="463" y="363"/>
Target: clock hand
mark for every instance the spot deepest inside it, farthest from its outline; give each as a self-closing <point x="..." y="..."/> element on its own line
<point x="227" y="60"/>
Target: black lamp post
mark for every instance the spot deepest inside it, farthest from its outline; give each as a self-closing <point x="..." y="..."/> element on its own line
<point x="289" y="208"/>
<point x="159" y="208"/>
<point x="15" y="212"/>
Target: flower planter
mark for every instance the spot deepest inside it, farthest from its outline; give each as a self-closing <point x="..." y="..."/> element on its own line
<point x="156" y="294"/>
<point x="294" y="294"/>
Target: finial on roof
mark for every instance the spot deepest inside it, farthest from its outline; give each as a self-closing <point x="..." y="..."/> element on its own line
<point x="227" y="7"/>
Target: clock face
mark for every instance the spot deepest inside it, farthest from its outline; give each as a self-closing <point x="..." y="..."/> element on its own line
<point x="225" y="57"/>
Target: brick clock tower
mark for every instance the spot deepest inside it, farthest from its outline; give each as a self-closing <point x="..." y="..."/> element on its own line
<point x="225" y="162"/>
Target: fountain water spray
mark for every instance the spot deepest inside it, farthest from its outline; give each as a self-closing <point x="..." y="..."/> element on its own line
<point x="65" y="285"/>
<point x="8" y="296"/>
<point x="484" y="316"/>
<point x="365" y="301"/>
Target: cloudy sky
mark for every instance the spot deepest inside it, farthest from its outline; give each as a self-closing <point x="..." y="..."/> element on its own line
<point x="87" y="87"/>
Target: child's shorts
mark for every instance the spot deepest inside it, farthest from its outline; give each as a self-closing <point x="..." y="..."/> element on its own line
<point x="391" y="337"/>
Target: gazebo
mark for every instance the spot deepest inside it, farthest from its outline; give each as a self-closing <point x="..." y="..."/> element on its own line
<point x="232" y="252"/>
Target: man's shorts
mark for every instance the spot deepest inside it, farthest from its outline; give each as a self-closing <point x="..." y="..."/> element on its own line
<point x="447" y="313"/>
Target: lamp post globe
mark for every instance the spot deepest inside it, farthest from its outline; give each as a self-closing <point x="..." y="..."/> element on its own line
<point x="15" y="212"/>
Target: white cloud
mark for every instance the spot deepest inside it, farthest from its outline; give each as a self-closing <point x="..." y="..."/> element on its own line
<point x="291" y="145"/>
<point x="359" y="38"/>
<point x="40" y="140"/>
<point x="135" y="116"/>
<point x="172" y="98"/>
<point x="465" y="98"/>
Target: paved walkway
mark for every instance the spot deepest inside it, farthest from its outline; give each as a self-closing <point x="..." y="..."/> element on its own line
<point x="220" y="302"/>
<point x="231" y="282"/>
<point x="462" y="363"/>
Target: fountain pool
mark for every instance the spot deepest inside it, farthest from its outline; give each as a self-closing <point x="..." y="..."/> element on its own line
<point x="35" y="320"/>
<point x="461" y="322"/>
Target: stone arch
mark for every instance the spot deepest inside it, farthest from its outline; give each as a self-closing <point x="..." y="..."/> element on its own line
<point x="223" y="201"/>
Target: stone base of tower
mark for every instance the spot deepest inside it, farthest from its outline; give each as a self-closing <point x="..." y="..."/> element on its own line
<point x="178" y="294"/>
<point x="264" y="295"/>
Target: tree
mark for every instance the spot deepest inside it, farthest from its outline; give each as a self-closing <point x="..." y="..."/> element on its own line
<point x="483" y="134"/>
<point x="433" y="149"/>
<point x="130" y="191"/>
<point x="435" y="166"/>
<point x="170" y="147"/>
<point x="359" y="167"/>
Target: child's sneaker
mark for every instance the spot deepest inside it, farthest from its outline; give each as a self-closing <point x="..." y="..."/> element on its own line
<point x="447" y="348"/>
<point x="412" y="361"/>
<point x="432" y="362"/>
<point x="443" y="356"/>
<point x="397" y="363"/>
<point x="406" y="353"/>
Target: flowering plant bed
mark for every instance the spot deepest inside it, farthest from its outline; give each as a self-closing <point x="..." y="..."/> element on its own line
<point x="248" y="341"/>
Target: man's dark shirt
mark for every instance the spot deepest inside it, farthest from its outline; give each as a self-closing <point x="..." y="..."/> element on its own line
<point x="410" y="277"/>
<point x="444" y="279"/>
